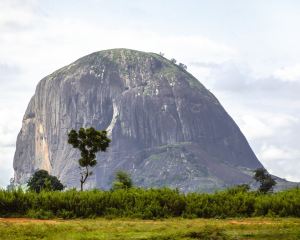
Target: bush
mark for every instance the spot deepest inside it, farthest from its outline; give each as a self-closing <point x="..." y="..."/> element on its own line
<point x="148" y="204"/>
<point x="42" y="180"/>
<point x="122" y="181"/>
<point x="39" y="214"/>
<point x="182" y="66"/>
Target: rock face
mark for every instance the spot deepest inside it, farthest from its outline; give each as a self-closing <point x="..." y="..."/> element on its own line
<point x="166" y="128"/>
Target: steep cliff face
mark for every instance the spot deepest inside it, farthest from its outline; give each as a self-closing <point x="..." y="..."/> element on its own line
<point x="166" y="127"/>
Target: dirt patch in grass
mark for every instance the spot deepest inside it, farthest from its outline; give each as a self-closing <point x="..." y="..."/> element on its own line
<point x="249" y="222"/>
<point x="28" y="220"/>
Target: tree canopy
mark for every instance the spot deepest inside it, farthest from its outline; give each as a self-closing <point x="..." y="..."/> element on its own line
<point x="89" y="141"/>
<point x="265" y="179"/>
<point x="42" y="180"/>
<point x="122" y="181"/>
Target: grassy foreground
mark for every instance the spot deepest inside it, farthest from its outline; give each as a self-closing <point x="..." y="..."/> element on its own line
<point x="167" y="229"/>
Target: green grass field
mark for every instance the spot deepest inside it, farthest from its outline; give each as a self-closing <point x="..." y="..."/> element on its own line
<point x="175" y="228"/>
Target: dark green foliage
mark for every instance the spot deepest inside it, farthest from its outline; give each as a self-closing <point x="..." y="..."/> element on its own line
<point x="182" y="66"/>
<point x="41" y="180"/>
<point x="39" y="214"/>
<point x="173" y="60"/>
<point x="238" y="188"/>
<point x="148" y="204"/>
<point x="265" y="179"/>
<point x="123" y="181"/>
<point x="89" y="141"/>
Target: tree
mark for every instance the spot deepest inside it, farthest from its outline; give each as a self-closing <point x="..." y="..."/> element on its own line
<point x="89" y="141"/>
<point x="265" y="179"/>
<point x="173" y="60"/>
<point x="182" y="66"/>
<point x="122" y="181"/>
<point x="42" y="180"/>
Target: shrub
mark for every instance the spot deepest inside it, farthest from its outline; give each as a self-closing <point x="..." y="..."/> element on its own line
<point x="148" y="204"/>
<point x="123" y="181"/>
<point x="42" y="180"/>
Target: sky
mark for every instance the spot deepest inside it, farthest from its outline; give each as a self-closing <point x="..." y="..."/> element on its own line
<point x="247" y="53"/>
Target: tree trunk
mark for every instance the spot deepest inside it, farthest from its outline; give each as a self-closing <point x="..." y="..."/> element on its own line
<point x="81" y="185"/>
<point x="83" y="179"/>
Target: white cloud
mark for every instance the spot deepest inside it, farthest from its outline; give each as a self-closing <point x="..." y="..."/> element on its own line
<point x="290" y="73"/>
<point x="271" y="153"/>
<point x="266" y="124"/>
<point x="281" y="160"/>
<point x="6" y="170"/>
<point x="255" y="127"/>
<point x="17" y="13"/>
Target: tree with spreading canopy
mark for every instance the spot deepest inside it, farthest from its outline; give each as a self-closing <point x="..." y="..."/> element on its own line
<point x="265" y="179"/>
<point x="42" y="180"/>
<point x="89" y="141"/>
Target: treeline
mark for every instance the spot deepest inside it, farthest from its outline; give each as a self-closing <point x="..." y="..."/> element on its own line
<point x="148" y="204"/>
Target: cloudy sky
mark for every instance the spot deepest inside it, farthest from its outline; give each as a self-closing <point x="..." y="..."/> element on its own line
<point x="246" y="52"/>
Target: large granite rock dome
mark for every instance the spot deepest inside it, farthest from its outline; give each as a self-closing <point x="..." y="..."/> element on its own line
<point x="167" y="129"/>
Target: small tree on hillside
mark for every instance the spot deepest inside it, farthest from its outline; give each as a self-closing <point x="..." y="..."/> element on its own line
<point x="173" y="60"/>
<point x="122" y="181"/>
<point x="182" y="66"/>
<point x="42" y="180"/>
<point x="265" y="179"/>
<point x="89" y="141"/>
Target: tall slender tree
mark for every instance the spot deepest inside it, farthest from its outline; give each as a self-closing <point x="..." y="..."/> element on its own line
<point x="89" y="141"/>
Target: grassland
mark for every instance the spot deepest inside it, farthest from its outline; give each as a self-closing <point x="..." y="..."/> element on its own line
<point x="167" y="229"/>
